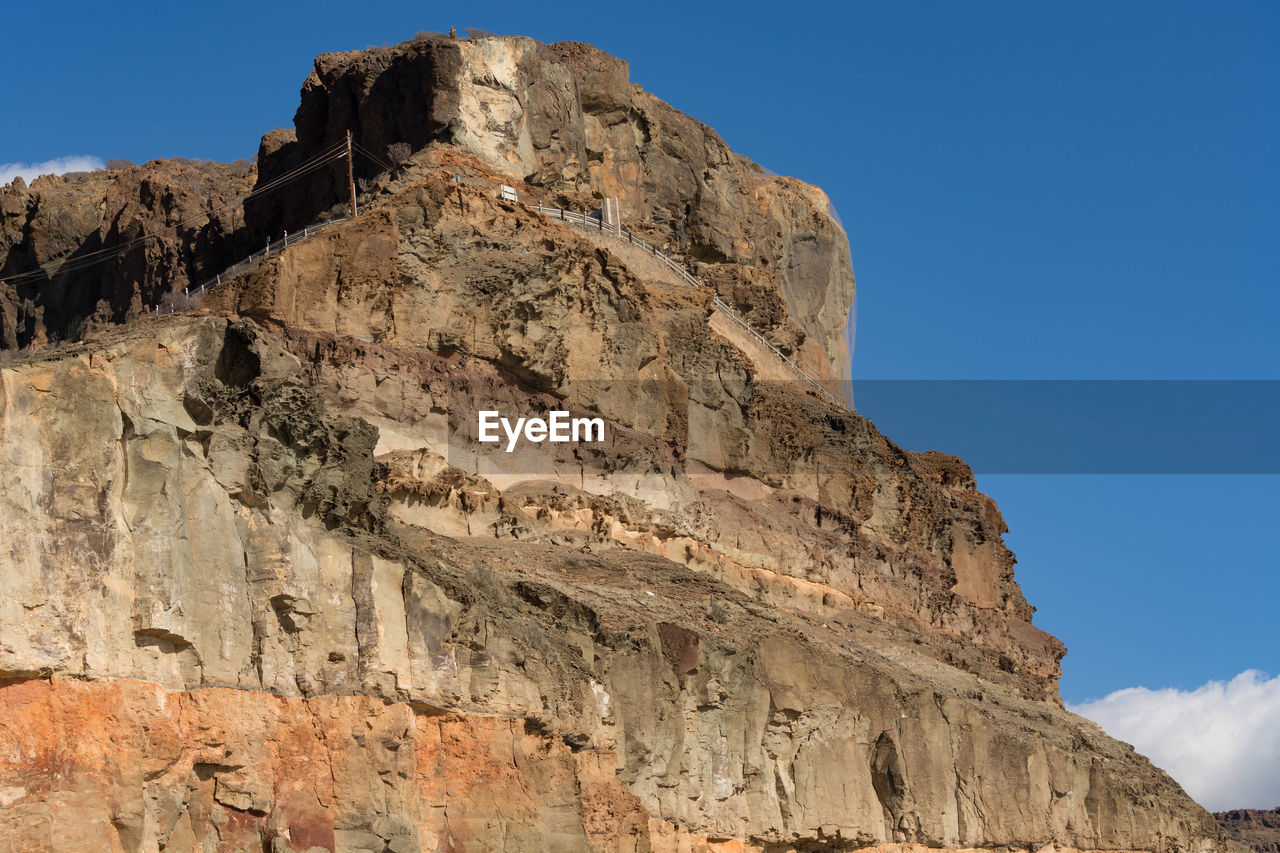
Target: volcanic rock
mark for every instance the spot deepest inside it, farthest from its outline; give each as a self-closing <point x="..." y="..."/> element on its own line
<point x="262" y="589"/>
<point x="1257" y="829"/>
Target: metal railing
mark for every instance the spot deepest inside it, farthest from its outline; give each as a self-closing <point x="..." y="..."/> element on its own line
<point x="272" y="247"/>
<point x="592" y="223"/>
<point x="580" y="220"/>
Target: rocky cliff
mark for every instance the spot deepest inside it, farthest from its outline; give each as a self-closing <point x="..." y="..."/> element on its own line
<point x="263" y="589"/>
<point x="1256" y="829"/>
<point x="566" y="120"/>
<point x="61" y="271"/>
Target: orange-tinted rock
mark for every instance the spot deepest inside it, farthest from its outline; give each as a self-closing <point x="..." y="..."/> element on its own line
<point x="127" y="766"/>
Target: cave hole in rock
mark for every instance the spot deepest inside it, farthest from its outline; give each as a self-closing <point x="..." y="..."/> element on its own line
<point x="887" y="778"/>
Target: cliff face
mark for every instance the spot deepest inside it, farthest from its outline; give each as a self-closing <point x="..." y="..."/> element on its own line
<point x="262" y="588"/>
<point x="1256" y="829"/>
<point x="565" y="119"/>
<point x="51" y="231"/>
<point x="288" y="622"/>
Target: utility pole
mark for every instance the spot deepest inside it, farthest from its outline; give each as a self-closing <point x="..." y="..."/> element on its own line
<point x="351" y="176"/>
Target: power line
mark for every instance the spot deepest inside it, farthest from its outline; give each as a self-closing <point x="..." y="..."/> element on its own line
<point x="296" y="172"/>
<point x="85" y="261"/>
<point x="332" y="154"/>
<point x="90" y="259"/>
<point x="81" y="262"/>
<point x="374" y="157"/>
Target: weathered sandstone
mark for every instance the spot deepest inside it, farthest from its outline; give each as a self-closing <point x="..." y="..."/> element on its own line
<point x="196" y="506"/>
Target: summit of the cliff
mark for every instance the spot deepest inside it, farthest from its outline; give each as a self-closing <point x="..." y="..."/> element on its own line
<point x="565" y="121"/>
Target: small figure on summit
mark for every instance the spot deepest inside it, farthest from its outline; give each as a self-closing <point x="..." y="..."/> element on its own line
<point x="453" y="32"/>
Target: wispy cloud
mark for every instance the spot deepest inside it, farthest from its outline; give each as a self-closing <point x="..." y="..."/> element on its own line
<point x="1221" y="741"/>
<point x="56" y="166"/>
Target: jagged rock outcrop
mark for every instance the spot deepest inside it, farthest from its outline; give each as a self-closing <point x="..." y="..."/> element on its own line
<point x="263" y="589"/>
<point x="562" y="119"/>
<point x="1256" y="829"/>
<point x="198" y="506"/>
<point x="444" y="267"/>
<point x="55" y="227"/>
<point x="565" y="121"/>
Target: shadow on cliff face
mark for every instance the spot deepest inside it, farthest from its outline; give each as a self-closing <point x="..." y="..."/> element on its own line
<point x="237" y="363"/>
<point x="816" y="723"/>
<point x="422" y="84"/>
<point x="84" y="251"/>
<point x="320" y="462"/>
<point x="889" y="782"/>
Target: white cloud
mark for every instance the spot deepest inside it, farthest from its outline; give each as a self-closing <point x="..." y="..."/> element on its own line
<point x="1221" y="741"/>
<point x="56" y="166"/>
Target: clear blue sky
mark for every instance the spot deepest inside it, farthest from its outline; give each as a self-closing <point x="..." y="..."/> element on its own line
<point x="1032" y="191"/>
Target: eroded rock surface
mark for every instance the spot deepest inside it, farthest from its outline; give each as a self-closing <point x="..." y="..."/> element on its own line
<point x="201" y="503"/>
<point x="1256" y="829"/>
<point x="262" y="589"/>
<point x="56" y="231"/>
<point x="564" y="122"/>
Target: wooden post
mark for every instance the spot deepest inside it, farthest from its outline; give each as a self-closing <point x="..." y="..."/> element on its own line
<point x="351" y="176"/>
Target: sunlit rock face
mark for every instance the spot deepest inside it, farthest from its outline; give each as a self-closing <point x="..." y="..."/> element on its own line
<point x="565" y="120"/>
<point x="262" y="589"/>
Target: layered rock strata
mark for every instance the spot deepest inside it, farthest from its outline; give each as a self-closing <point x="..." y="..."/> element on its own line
<point x="262" y="589"/>
<point x="565" y="121"/>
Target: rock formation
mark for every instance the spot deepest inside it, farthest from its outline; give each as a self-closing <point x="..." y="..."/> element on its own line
<point x="1256" y="829"/>
<point x="51" y="231"/>
<point x="565" y="119"/>
<point x="263" y="590"/>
